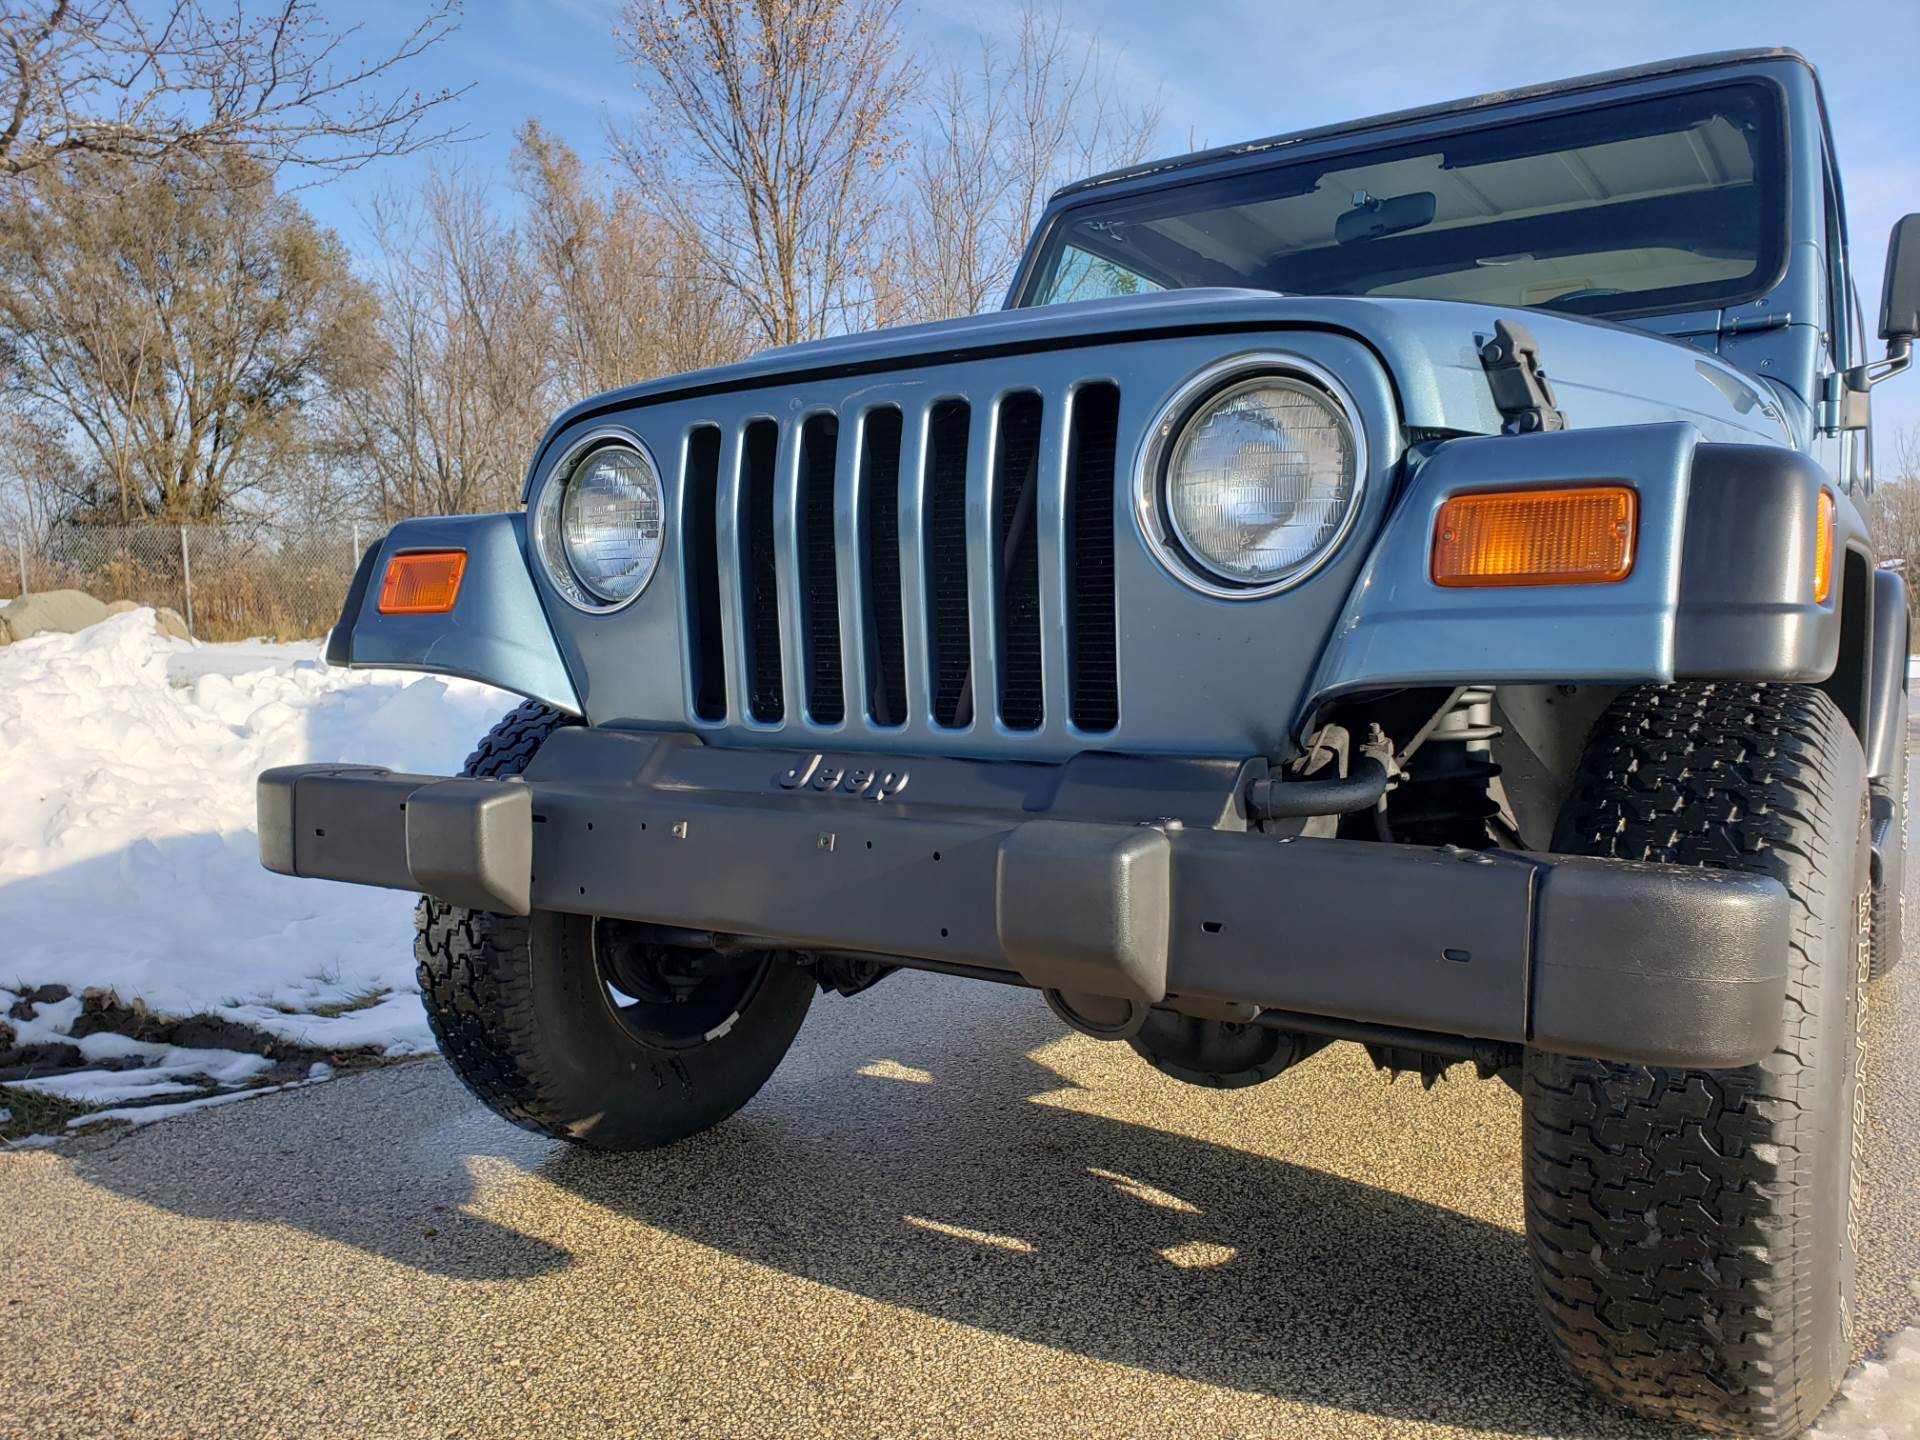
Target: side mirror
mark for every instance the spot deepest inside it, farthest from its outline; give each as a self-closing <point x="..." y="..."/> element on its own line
<point x="1900" y="291"/>
<point x="1899" y="320"/>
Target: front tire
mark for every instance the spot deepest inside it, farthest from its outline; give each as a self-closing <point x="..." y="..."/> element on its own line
<point x="1692" y="1229"/>
<point x="577" y="1028"/>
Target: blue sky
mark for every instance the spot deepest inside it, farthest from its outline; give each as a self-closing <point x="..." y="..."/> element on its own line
<point x="1234" y="70"/>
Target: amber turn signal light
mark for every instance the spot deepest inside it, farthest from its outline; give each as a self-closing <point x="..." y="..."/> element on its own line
<point x="424" y="583"/>
<point x="1579" y="536"/>
<point x="1823" y="549"/>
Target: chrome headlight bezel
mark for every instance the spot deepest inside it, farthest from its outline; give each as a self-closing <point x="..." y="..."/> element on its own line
<point x="1151" y="503"/>
<point x="548" y="538"/>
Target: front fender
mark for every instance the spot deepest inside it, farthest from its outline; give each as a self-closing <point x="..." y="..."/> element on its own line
<point x="497" y="631"/>
<point x="1721" y="588"/>
<point x="1887" y="667"/>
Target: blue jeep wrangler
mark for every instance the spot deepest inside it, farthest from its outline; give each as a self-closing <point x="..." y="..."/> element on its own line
<point x="1400" y="583"/>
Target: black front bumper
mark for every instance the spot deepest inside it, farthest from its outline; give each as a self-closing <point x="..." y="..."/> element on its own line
<point x="1050" y="874"/>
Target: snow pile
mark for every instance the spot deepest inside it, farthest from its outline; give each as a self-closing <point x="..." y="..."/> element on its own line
<point x="128" y="858"/>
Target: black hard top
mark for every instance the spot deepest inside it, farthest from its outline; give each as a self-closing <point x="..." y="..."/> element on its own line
<point x="1710" y="61"/>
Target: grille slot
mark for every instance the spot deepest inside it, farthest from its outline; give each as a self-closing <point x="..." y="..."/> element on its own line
<point x="700" y="541"/>
<point x="1093" y="680"/>
<point x="760" y="584"/>
<point x="1017" y="563"/>
<point x="884" y="630"/>
<point x="820" y="583"/>
<point x="827" y="582"/>
<point x="945" y="551"/>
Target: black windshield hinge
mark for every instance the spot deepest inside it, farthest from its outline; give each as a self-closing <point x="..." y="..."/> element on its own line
<point x="1748" y="324"/>
<point x="1521" y="391"/>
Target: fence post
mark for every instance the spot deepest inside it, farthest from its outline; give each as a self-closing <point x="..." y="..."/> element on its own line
<point x="20" y="543"/>
<point x="186" y="576"/>
<point x="355" y="557"/>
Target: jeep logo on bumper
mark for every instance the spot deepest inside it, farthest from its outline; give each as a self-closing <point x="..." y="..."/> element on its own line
<point x="861" y="779"/>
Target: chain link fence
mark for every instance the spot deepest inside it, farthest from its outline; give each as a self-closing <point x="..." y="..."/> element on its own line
<point x="229" y="582"/>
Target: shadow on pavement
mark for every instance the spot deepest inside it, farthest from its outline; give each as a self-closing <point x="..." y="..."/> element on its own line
<point x="978" y="1196"/>
<point x="371" y="1162"/>
<point x="1118" y="1241"/>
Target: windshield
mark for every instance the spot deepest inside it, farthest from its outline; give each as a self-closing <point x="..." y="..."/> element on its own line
<point x="1675" y="201"/>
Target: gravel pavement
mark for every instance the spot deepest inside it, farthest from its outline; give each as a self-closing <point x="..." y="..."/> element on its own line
<point x="944" y="1216"/>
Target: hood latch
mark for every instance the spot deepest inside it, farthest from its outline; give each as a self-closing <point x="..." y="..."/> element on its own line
<point x="1521" y="391"/>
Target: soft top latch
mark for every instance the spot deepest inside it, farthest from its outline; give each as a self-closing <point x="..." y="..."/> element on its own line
<point x="1521" y="391"/>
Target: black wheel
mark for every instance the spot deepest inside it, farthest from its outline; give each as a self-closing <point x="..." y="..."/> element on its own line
<point x="1888" y="799"/>
<point x="1692" y="1230"/>
<point x="583" y="1029"/>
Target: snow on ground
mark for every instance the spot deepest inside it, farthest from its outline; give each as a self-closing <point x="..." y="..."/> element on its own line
<point x="128" y="856"/>
<point x="1881" y="1399"/>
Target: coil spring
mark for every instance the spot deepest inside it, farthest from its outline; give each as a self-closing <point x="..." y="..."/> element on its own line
<point x="1443" y="797"/>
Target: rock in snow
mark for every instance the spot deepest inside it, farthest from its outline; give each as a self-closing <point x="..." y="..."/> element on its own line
<point x="64" y="611"/>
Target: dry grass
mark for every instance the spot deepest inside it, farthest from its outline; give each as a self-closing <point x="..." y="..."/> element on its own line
<point x="333" y="1009"/>
<point x="32" y="1113"/>
<point x="234" y="597"/>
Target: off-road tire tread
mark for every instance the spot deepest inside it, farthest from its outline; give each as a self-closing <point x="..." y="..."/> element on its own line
<point x="477" y="993"/>
<point x="1670" y="1212"/>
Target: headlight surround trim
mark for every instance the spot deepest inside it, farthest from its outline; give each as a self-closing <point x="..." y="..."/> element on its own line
<point x="548" y="537"/>
<point x="1152" y="504"/>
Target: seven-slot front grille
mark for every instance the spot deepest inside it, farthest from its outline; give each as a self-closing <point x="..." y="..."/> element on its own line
<point x="897" y="574"/>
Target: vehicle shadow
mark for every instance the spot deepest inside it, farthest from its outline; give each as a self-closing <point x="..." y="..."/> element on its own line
<point x="370" y="1161"/>
<point x="981" y="1193"/>
<point x="921" y="1148"/>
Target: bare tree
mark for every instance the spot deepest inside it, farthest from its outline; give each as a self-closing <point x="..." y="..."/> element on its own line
<point x="782" y="123"/>
<point x="464" y="374"/>
<point x="1893" y="507"/>
<point x="145" y="82"/>
<point x="176" y="324"/>
<point x="38" y="472"/>
<point x="627" y="291"/>
<point x="1002" y="133"/>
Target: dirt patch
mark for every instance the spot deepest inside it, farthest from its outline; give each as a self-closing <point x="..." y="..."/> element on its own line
<point x="26" y="1005"/>
<point x="102" y="1012"/>
<point x="43" y="1057"/>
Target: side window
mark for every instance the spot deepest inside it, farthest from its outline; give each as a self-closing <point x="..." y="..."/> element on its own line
<point x="1857" y="326"/>
<point x="1852" y="465"/>
<point x="1840" y="339"/>
<point x="1860" y="460"/>
<point x="1080" y="275"/>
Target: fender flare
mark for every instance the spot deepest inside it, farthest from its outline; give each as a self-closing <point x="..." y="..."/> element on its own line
<point x="497" y="632"/>
<point x="1722" y="586"/>
<point x="1887" y="669"/>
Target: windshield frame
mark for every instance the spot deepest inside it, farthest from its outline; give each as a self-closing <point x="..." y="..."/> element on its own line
<point x="1776" y="246"/>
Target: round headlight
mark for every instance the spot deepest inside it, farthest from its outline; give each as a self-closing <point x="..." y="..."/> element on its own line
<point x="600" y="526"/>
<point x="1260" y="483"/>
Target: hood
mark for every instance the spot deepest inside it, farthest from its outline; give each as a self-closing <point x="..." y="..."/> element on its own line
<point x="1602" y="373"/>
